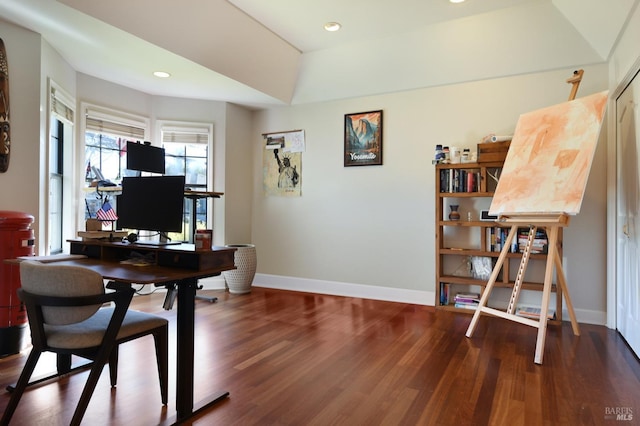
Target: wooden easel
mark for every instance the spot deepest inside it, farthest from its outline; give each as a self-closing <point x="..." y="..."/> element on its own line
<point x="552" y="224"/>
<point x="575" y="83"/>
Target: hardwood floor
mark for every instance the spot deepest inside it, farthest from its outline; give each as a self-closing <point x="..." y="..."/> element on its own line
<point x="303" y="359"/>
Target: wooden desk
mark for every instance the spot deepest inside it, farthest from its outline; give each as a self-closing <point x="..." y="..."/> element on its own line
<point x="180" y="264"/>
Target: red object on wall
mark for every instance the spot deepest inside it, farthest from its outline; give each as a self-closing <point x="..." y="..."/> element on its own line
<point x="16" y="239"/>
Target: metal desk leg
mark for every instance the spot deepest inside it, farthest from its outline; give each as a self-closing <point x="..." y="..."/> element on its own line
<point x="185" y="353"/>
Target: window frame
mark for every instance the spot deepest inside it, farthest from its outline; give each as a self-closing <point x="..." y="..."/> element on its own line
<point x="113" y="122"/>
<point x="191" y="133"/>
<point x="61" y="106"/>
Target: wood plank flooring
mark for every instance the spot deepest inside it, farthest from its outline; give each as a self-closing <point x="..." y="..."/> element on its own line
<point x="303" y="359"/>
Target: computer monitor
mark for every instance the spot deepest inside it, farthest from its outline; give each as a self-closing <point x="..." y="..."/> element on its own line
<point x="153" y="203"/>
<point x="145" y="157"/>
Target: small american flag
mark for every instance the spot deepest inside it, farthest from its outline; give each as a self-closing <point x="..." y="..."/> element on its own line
<point x="106" y="213"/>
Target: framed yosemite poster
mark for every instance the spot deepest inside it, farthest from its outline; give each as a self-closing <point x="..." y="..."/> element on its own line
<point x="363" y="139"/>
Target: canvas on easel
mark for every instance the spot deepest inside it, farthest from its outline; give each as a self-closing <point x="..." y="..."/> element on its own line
<point x="549" y="158"/>
<point x="542" y="184"/>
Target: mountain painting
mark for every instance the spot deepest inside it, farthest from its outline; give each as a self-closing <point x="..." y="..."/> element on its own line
<point x="363" y="138"/>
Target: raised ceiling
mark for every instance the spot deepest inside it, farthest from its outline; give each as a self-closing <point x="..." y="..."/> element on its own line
<point x="262" y="53"/>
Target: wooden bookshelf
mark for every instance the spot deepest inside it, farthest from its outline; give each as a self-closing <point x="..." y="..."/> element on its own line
<point x="460" y="240"/>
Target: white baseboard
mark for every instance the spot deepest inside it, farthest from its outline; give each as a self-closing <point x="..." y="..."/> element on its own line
<point x="212" y="283"/>
<point x="335" y="288"/>
<point x="587" y="317"/>
<point x="582" y="315"/>
<point x="389" y="294"/>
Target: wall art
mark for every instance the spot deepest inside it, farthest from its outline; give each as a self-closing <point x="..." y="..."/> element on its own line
<point x="5" y="128"/>
<point x="282" y="163"/>
<point x="363" y="138"/>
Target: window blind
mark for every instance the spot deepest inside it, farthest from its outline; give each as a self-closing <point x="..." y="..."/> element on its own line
<point x="60" y="106"/>
<point x="185" y="134"/>
<point x="114" y="124"/>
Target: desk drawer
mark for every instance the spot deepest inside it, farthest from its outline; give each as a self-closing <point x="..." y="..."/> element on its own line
<point x="178" y="260"/>
<point x="198" y="261"/>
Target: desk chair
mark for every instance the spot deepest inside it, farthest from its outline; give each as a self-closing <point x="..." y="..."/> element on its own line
<point x="66" y="316"/>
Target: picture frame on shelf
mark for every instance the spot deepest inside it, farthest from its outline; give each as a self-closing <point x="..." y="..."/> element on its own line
<point x="363" y="138"/>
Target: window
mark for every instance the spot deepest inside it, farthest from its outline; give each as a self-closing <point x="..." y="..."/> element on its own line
<point x="106" y="135"/>
<point x="187" y="153"/>
<point x="56" y="176"/>
<point x="59" y="206"/>
<point x="106" y="153"/>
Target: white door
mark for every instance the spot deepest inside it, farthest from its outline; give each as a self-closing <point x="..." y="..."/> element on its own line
<point x="628" y="214"/>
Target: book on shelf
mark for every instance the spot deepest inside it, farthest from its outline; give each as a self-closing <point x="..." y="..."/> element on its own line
<point x="533" y="312"/>
<point x="497" y="237"/>
<point x="491" y="239"/>
<point x="467" y="299"/>
<point x="444" y="294"/>
<point x="90" y="235"/>
<point x="459" y="180"/>
<point x="466" y="306"/>
<point x="540" y="242"/>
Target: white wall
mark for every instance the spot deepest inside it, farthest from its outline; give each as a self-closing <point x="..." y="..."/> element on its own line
<point x="19" y="186"/>
<point x="371" y="229"/>
<point x="239" y="173"/>
<point x="627" y="50"/>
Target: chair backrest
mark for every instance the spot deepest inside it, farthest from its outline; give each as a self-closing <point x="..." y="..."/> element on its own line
<point x="61" y="280"/>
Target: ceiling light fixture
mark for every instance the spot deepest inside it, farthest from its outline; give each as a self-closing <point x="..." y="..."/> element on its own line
<point x="456" y="1"/>
<point x="161" y="74"/>
<point x="332" y="26"/>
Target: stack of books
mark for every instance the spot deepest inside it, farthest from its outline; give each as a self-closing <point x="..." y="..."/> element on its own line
<point x="540" y="241"/>
<point x="534" y="313"/>
<point x="102" y="235"/>
<point x="467" y="300"/>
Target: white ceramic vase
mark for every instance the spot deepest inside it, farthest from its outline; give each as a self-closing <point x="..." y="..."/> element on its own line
<point x="239" y="280"/>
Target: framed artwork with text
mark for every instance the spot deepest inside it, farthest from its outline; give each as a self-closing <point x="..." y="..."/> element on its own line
<point x="363" y="139"/>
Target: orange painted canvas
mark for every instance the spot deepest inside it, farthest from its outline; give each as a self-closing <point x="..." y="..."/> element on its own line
<point x="549" y="158"/>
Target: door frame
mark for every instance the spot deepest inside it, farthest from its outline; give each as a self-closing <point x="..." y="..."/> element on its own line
<point x="612" y="184"/>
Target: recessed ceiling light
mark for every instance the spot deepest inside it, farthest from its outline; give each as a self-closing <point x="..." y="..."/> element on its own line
<point x="161" y="74"/>
<point x="332" y="26"/>
<point x="456" y="1"/>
